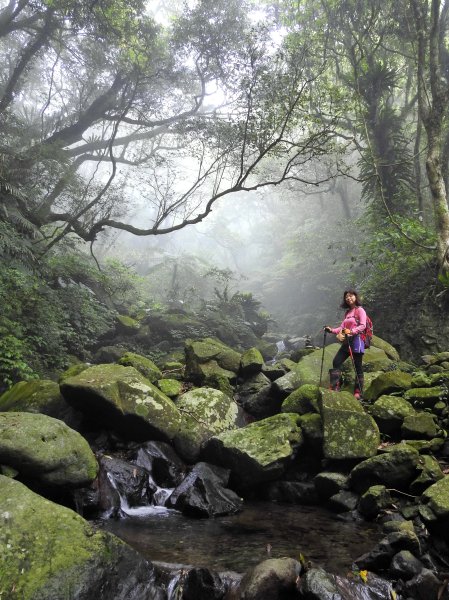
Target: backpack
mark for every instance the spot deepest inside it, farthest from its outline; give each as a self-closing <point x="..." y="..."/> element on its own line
<point x="368" y="333"/>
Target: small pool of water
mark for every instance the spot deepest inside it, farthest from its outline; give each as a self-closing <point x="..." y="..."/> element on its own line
<point x="238" y="542"/>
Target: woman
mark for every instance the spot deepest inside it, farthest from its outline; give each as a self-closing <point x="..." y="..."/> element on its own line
<point x="349" y="332"/>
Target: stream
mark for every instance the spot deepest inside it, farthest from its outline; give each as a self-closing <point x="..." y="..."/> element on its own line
<point x="238" y="542"/>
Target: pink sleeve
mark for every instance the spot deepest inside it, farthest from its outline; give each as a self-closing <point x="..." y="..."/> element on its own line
<point x="337" y="329"/>
<point x="361" y="318"/>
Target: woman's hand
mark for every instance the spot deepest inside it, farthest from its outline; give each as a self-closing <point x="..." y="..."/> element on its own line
<point x="346" y="331"/>
<point x="327" y="328"/>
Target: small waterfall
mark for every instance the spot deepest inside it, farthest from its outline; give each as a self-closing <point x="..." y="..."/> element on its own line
<point x="174" y="588"/>
<point x="136" y="511"/>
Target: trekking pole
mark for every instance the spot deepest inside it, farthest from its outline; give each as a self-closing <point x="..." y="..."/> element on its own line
<point x="353" y="364"/>
<point x="322" y="357"/>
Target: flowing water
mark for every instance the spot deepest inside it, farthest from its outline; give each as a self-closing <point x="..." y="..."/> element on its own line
<point x="238" y="542"/>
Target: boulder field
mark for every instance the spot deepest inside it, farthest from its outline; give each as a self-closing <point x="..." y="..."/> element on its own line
<point x="204" y="436"/>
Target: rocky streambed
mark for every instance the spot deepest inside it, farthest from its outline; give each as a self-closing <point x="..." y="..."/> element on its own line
<point x="225" y="451"/>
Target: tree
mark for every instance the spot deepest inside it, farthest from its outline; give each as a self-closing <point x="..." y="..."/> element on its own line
<point x="116" y="110"/>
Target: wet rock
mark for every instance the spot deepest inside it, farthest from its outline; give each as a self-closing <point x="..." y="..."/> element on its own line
<point x="316" y="584"/>
<point x="49" y="552"/>
<point x="292" y="492"/>
<point x="45" y="450"/>
<point x="130" y="481"/>
<point x="426" y="585"/>
<point x="328" y="484"/>
<point x="272" y="579"/>
<point x="258" y="452"/>
<point x="165" y="466"/>
<point x="343" y="501"/>
<point x="203" y="584"/>
<point x="205" y="412"/>
<point x="405" y="566"/>
<point x="273" y="372"/>
<point x="203" y="493"/>
<point x="122" y="399"/>
<point x="285" y="385"/>
<point x="379" y="557"/>
<point x="255" y="396"/>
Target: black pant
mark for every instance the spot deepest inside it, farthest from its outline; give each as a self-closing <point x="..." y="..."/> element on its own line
<point x="343" y="354"/>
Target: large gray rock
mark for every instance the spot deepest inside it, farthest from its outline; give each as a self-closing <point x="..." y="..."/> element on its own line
<point x="205" y="412"/>
<point x="49" y="553"/>
<point x="258" y="452"/>
<point x="121" y="398"/>
<point x="46" y="450"/>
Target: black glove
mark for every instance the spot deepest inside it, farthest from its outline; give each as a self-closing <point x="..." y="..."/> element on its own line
<point x="327" y="328"/>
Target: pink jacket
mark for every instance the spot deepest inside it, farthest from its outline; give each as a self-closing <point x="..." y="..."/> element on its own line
<point x="355" y="321"/>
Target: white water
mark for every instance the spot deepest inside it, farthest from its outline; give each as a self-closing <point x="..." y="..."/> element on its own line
<point x="160" y="496"/>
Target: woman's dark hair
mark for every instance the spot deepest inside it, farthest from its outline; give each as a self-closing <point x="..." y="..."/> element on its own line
<point x="357" y="298"/>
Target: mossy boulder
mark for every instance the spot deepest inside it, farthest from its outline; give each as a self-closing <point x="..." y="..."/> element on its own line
<point x="389" y="350"/>
<point x="374" y="500"/>
<point x="329" y="483"/>
<point x="126" y="325"/>
<point x="312" y="428"/>
<point x="40" y="396"/>
<point x="429" y="473"/>
<point x="309" y="367"/>
<point x="51" y="553"/>
<point x="73" y="370"/>
<point x="200" y="352"/>
<point x="394" y="469"/>
<point x="270" y="579"/>
<point x="170" y="387"/>
<point x="389" y="413"/>
<point x="348" y="432"/>
<point x="144" y="365"/>
<point x="251" y="362"/>
<point x="436" y="501"/>
<point x="419" y="426"/>
<point x="303" y="400"/>
<point x="424" y="397"/>
<point x="205" y="412"/>
<point x="387" y="383"/>
<point x="45" y="450"/>
<point x="121" y="398"/>
<point x="376" y="359"/>
<point x="258" y="452"/>
<point x="421" y="379"/>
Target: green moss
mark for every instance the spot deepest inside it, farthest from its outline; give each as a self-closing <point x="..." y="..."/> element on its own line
<point x="73" y="370"/>
<point x="30" y="396"/>
<point x="424" y="397"/>
<point x="144" y="365"/>
<point x="47" y="551"/>
<point x="170" y="387"/>
<point x="302" y="400"/>
<point x="437" y="497"/>
<point x="45" y="449"/>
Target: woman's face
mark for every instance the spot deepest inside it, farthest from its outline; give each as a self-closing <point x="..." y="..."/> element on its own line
<point x="350" y="299"/>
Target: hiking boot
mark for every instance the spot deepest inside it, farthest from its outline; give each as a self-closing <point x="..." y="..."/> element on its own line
<point x="358" y="387"/>
<point x="335" y="379"/>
